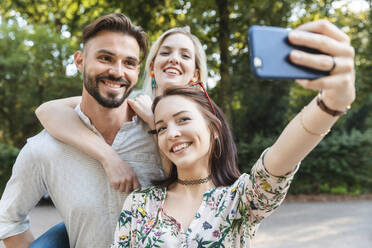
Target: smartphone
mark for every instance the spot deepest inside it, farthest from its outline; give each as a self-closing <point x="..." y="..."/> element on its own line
<point x="269" y="50"/>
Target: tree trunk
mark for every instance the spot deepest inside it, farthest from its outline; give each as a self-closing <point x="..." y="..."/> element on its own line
<point x="224" y="94"/>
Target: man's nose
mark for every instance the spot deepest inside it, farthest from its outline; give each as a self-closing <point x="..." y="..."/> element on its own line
<point x="117" y="70"/>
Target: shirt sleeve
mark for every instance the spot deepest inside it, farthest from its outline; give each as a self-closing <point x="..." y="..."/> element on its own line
<point x="22" y="192"/>
<point x="123" y="232"/>
<point x="261" y="193"/>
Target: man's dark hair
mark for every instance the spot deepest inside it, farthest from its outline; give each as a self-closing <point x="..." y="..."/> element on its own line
<point x="116" y="22"/>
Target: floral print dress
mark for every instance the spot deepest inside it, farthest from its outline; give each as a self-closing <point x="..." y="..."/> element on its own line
<point x="228" y="216"/>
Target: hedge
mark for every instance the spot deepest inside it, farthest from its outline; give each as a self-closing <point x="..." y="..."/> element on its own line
<point x="8" y="155"/>
<point x="340" y="164"/>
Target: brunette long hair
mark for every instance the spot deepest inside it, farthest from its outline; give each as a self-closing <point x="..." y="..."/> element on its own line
<point x="223" y="156"/>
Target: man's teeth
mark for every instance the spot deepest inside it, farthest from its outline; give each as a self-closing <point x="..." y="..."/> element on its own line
<point x="113" y="85"/>
<point x="179" y="147"/>
<point x="172" y="71"/>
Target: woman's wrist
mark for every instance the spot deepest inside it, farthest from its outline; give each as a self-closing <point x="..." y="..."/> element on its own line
<point x="333" y="111"/>
<point x="338" y="104"/>
<point x="150" y="122"/>
<point x="316" y="121"/>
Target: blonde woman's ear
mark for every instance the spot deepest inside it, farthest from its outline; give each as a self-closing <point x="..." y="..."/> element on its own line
<point x="196" y="76"/>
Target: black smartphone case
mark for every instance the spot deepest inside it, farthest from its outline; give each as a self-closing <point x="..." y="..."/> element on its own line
<point x="269" y="49"/>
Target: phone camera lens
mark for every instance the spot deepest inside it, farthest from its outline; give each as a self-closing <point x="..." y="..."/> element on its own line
<point x="257" y="62"/>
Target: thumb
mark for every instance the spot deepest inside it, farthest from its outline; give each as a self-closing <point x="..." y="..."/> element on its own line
<point x="136" y="107"/>
<point x="132" y="104"/>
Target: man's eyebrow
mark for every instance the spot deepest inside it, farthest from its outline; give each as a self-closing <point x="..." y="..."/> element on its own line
<point x="178" y="113"/>
<point x="113" y="54"/>
<point x="133" y="58"/>
<point x="106" y="51"/>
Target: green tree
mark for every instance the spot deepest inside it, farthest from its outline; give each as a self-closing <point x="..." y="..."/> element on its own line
<point x="32" y="70"/>
<point x="258" y="109"/>
<point x="72" y="16"/>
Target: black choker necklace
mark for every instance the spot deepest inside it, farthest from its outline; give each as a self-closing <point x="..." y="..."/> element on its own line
<point x="196" y="181"/>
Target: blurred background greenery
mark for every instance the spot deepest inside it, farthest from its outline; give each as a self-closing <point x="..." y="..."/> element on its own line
<point x="38" y="38"/>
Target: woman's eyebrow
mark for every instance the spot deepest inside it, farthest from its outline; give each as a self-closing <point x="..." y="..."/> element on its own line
<point x="182" y="49"/>
<point x="174" y="115"/>
<point x="166" y="47"/>
<point x="180" y="112"/>
<point x="159" y="121"/>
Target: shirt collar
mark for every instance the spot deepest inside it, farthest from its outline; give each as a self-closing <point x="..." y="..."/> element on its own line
<point x="85" y="119"/>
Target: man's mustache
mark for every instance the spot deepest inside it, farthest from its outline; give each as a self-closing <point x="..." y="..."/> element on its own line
<point x="111" y="78"/>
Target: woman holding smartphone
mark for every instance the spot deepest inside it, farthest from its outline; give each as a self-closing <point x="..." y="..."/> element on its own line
<point x="205" y="202"/>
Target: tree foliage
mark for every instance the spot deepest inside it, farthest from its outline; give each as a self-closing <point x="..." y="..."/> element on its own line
<point x="8" y="155"/>
<point x="341" y="161"/>
<point x="32" y="67"/>
<point x="32" y="70"/>
<point x="71" y="15"/>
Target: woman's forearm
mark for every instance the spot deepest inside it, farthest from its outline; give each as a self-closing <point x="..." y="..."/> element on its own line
<point x="62" y="122"/>
<point x="297" y="140"/>
<point x="307" y="129"/>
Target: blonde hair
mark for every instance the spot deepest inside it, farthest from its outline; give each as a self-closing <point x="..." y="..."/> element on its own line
<point x="200" y="57"/>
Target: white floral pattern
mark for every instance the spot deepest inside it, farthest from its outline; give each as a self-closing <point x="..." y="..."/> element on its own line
<point x="228" y="216"/>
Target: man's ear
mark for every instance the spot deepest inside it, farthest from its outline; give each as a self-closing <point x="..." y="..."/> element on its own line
<point x="79" y="60"/>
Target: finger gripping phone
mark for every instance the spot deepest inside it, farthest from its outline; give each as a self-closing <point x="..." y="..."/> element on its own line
<point x="269" y="50"/>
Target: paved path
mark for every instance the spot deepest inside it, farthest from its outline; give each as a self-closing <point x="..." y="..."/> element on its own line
<point x="42" y="218"/>
<point x="314" y="225"/>
<point x="293" y="225"/>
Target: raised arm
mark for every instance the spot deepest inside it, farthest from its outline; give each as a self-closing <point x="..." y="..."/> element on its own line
<point x="142" y="106"/>
<point x="51" y="114"/>
<point x="61" y="121"/>
<point x="308" y="128"/>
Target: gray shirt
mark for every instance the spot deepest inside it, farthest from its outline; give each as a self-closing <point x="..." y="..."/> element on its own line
<point x="76" y="183"/>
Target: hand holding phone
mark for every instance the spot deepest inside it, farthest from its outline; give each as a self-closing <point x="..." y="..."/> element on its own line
<point x="269" y="49"/>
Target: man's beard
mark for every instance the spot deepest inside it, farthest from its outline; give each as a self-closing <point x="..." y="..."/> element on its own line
<point x="91" y="85"/>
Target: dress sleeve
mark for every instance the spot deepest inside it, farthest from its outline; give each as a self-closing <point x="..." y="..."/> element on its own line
<point x="22" y="192"/>
<point x="123" y="232"/>
<point x="261" y="192"/>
